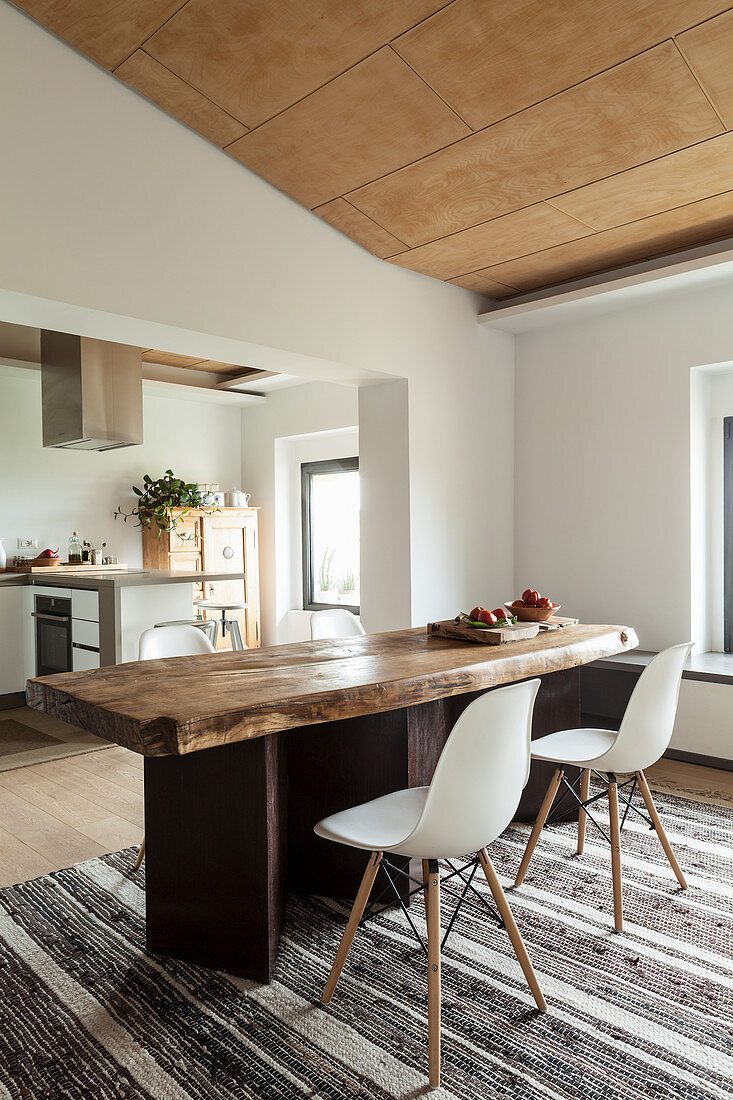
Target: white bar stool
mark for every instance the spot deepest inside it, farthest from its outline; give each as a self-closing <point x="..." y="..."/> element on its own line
<point x="642" y="738"/>
<point x="232" y="625"/>
<point x="472" y="798"/>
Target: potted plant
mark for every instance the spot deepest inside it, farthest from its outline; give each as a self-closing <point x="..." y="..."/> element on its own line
<point x="347" y="588"/>
<point x="157" y="498"/>
<point x="327" y="577"/>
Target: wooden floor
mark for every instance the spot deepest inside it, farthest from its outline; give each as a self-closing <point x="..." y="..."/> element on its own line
<point x="61" y="812"/>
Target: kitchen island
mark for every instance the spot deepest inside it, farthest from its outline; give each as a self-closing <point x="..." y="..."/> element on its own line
<point x="246" y="751"/>
<point x="109" y="609"/>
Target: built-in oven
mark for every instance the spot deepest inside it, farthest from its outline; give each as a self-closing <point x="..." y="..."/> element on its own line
<point x="52" y="615"/>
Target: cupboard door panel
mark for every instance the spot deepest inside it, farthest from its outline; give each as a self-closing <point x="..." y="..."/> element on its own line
<point x="230" y="546"/>
<point x="182" y="562"/>
<point x="186" y="536"/>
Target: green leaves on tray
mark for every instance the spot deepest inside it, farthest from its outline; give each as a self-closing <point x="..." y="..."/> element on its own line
<point x="510" y="620"/>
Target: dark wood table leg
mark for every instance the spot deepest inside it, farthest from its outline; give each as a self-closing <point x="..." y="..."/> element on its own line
<point x="331" y="767"/>
<point x="339" y="764"/>
<point x="557" y="707"/>
<point x="216" y="855"/>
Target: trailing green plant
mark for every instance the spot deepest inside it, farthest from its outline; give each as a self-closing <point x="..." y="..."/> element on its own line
<point x="156" y="499"/>
<point x="327" y="574"/>
<point x="348" y="581"/>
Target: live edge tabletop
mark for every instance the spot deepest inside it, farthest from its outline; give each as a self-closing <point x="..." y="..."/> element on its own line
<point x="185" y="704"/>
<point x="245" y="751"/>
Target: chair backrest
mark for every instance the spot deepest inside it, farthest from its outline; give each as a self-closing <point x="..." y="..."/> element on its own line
<point x="646" y="728"/>
<point x="335" y="622"/>
<point x="173" y="641"/>
<point x="481" y="773"/>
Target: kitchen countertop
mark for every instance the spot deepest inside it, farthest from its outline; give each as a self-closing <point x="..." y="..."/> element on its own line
<point x="126" y="578"/>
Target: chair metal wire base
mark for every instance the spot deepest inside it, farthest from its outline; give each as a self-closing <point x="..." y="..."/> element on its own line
<point x="377" y="906"/>
<point x="606" y="779"/>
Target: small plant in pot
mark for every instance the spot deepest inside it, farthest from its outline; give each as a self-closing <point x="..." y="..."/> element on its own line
<point x="327" y="577"/>
<point x="156" y="499"/>
<point x="347" y="588"/>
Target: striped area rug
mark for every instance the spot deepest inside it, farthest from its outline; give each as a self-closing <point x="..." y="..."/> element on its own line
<point x="87" y="1014"/>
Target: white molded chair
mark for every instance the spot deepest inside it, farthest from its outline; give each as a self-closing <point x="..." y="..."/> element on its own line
<point x="173" y="641"/>
<point x="335" y="622"/>
<point x="642" y="738"/>
<point x="170" y="641"/>
<point x="472" y="798"/>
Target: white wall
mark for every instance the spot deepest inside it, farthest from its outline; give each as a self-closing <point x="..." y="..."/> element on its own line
<point x="127" y="225"/>
<point x="48" y="493"/>
<point x="388" y="558"/>
<point x="605" y="474"/>
<point x="603" y="512"/>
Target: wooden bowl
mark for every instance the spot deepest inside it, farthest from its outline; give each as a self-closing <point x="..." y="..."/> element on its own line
<point x="532" y="614"/>
<point x="50" y="563"/>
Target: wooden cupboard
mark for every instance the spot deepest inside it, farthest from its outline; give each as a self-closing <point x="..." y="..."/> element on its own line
<point x="221" y="541"/>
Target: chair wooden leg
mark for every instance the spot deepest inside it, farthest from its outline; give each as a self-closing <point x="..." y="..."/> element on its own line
<point x="538" y="825"/>
<point x="618" y="896"/>
<point x="582" y="816"/>
<point x="433" y="922"/>
<point x="425" y="873"/>
<point x="140" y="855"/>
<point x="511" y="926"/>
<point x="357" y="911"/>
<point x="647" y="794"/>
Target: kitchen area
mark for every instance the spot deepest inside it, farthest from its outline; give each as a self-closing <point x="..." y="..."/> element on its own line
<point x="94" y="550"/>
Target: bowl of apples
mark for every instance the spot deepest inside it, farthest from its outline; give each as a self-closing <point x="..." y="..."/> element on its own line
<point x="49" y="558"/>
<point x="533" y="607"/>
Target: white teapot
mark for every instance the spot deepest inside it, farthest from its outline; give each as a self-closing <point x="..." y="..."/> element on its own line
<point x="235" y="498"/>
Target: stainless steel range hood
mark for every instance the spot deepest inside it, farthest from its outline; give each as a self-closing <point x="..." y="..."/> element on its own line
<point x="91" y="393"/>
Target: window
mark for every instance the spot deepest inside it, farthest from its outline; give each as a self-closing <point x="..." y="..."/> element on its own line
<point x="330" y="504"/>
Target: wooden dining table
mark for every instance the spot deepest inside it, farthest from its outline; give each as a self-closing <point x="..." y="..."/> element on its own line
<point x="245" y="751"/>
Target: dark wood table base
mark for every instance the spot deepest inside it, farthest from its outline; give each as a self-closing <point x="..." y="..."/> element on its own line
<point x="243" y="817"/>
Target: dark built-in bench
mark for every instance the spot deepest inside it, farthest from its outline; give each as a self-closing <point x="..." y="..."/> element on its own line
<point x="606" y="686"/>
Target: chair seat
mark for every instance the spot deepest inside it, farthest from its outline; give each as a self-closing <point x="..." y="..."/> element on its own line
<point x="377" y="826"/>
<point x="212" y="605"/>
<point x="584" y="747"/>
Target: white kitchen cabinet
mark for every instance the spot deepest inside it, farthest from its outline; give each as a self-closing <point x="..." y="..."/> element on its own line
<point x="85" y="604"/>
<point x="84" y="659"/>
<point x="85" y="632"/>
<point x="12" y="623"/>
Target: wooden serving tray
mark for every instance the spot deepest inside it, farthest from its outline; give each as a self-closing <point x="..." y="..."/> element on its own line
<point x="557" y="622"/>
<point x="491" y="635"/>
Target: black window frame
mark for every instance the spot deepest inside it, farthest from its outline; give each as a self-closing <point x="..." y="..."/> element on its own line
<point x="307" y="470"/>
<point x="728" y="534"/>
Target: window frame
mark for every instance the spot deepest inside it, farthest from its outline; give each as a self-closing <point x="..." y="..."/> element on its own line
<point x="307" y="470"/>
<point x="728" y="534"/>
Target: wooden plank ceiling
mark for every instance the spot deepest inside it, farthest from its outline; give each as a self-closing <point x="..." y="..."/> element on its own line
<point x="209" y="366"/>
<point x="503" y="145"/>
